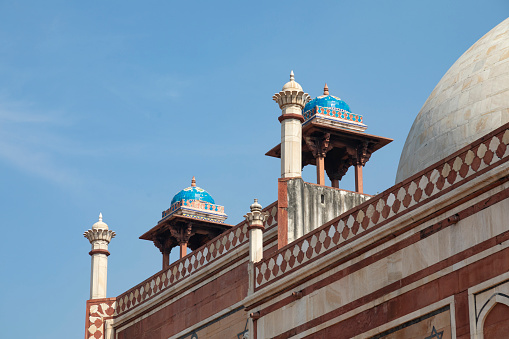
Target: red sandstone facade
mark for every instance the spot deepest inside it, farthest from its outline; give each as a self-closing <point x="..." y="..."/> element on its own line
<point x="427" y="258"/>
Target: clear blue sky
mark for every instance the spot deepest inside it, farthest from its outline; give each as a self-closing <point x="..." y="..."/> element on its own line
<point x="113" y="106"/>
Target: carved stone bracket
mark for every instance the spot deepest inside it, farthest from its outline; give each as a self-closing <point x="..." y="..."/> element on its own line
<point x="319" y="145"/>
<point x="364" y="151"/>
<point x="336" y="168"/>
<point x="164" y="245"/>
<point x="182" y="233"/>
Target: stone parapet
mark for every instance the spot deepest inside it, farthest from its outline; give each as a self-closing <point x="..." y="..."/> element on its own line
<point x="437" y="180"/>
<point x="197" y="260"/>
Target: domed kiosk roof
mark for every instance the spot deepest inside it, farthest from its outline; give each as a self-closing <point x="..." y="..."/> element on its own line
<point x="471" y="100"/>
<point x="327" y="100"/>
<point x="193" y="193"/>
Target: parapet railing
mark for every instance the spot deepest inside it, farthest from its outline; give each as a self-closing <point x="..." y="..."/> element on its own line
<point x="438" y="179"/>
<point x="193" y="262"/>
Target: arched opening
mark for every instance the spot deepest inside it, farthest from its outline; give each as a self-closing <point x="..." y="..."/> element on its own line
<point x="496" y="324"/>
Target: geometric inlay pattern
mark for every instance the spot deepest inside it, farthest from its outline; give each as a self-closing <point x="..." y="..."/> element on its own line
<point x="397" y="200"/>
<point x="191" y="263"/>
<point x="97" y="311"/>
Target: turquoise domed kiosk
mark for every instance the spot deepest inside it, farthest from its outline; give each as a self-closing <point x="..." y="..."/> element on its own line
<point x="193" y="193"/>
<point x="192" y="220"/>
<point x="327" y="101"/>
<point x="330" y="109"/>
<point x="195" y="202"/>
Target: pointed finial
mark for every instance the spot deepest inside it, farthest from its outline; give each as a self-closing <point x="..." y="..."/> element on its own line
<point x="326" y="89"/>
<point x="193" y="182"/>
<point x="100" y="224"/>
<point x="292" y="76"/>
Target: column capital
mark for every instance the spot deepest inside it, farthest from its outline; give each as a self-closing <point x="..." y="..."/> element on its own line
<point x="291" y="95"/>
<point x="256" y="217"/>
<point x="94" y="235"/>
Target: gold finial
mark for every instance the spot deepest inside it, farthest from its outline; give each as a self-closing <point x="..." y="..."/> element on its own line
<point x="326" y="90"/>
<point x="193" y="182"/>
<point x="292" y="77"/>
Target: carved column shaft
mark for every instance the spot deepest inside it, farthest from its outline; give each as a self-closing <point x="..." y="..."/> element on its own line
<point x="319" y="146"/>
<point x="182" y="234"/>
<point x="165" y="246"/>
<point x="363" y="154"/>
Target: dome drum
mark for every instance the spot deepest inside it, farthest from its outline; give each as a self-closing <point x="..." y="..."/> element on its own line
<point x="196" y="209"/>
<point x="337" y="117"/>
<point x="331" y="111"/>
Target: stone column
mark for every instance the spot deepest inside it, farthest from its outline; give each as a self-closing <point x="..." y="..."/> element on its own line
<point x="291" y="101"/>
<point x="255" y="220"/>
<point x="165" y="246"/>
<point x="319" y="146"/>
<point x="359" y="186"/>
<point x="99" y="236"/>
<point x="182" y="234"/>
<point x="363" y="154"/>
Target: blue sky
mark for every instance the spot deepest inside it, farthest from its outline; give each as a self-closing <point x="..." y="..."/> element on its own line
<point x="113" y="107"/>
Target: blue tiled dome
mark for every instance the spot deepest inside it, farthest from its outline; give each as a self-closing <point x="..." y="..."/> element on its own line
<point x="327" y="101"/>
<point x="193" y="193"/>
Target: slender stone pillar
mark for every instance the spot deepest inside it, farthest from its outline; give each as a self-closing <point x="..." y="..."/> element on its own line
<point x="165" y="246"/>
<point x="182" y="234"/>
<point x="364" y="151"/>
<point x="358" y="179"/>
<point x="320" y="171"/>
<point x="183" y="249"/>
<point x="99" y="236"/>
<point x="255" y="220"/>
<point x="319" y="146"/>
<point x="291" y="101"/>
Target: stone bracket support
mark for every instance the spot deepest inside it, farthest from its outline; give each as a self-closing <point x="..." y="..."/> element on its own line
<point x="319" y="146"/>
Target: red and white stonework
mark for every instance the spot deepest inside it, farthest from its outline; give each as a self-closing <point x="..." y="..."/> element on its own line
<point x="195" y="261"/>
<point x="98" y="311"/>
<point x="387" y="206"/>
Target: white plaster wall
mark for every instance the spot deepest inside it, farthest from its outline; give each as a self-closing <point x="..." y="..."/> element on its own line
<point x="306" y="211"/>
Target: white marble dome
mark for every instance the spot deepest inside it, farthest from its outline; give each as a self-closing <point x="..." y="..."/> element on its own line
<point x="471" y="100"/>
